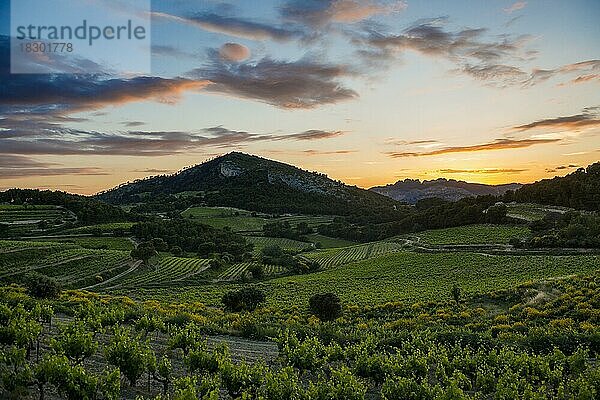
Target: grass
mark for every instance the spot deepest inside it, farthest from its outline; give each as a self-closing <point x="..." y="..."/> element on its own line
<point x="473" y="234"/>
<point x="397" y="277"/>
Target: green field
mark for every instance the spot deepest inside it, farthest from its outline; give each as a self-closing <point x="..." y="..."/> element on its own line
<point x="73" y="267"/>
<point x="398" y="277"/>
<point x="260" y="242"/>
<point x="102" y="228"/>
<point x="105" y="242"/>
<point x="329" y="242"/>
<point x="472" y="234"/>
<point x="533" y="212"/>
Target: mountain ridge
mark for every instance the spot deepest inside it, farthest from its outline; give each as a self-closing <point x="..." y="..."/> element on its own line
<point x="413" y="190"/>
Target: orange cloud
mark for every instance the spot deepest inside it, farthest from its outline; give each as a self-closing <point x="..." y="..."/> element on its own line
<point x="587" y="118"/>
<point x="498" y="144"/>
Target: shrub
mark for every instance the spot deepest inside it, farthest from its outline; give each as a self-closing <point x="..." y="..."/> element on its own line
<point x="326" y="306"/>
<point x="245" y="299"/>
<point x="42" y="286"/>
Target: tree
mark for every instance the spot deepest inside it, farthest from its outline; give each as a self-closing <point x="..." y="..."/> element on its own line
<point x="42" y="286"/>
<point x="144" y="251"/>
<point x="496" y="214"/>
<point x="257" y="270"/>
<point x="247" y="299"/>
<point x="456" y="294"/>
<point x="176" y="251"/>
<point x="326" y="306"/>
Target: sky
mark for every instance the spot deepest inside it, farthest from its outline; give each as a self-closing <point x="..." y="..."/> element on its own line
<point x="368" y="92"/>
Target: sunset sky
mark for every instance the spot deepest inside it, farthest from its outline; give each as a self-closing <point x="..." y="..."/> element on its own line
<point x="368" y="92"/>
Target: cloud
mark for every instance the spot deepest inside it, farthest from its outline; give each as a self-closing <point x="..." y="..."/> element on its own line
<point x="154" y="171"/>
<point x="131" y="124"/>
<point x="69" y="93"/>
<point x="482" y="171"/>
<point x="588" y="118"/>
<point x="16" y="166"/>
<point x="317" y="13"/>
<point x="311" y="152"/>
<point x="236" y="27"/>
<point x="234" y="52"/>
<point x="171" y="51"/>
<point x="43" y="138"/>
<point x="584" y="71"/>
<point x="467" y="48"/>
<point x="299" y="84"/>
<point x="314" y="134"/>
<point x="12" y="173"/>
<point x="498" y="144"/>
<point x="519" y="5"/>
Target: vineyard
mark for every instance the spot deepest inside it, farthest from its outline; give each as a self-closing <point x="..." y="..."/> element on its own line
<point x="167" y="272"/>
<point x="72" y="266"/>
<point x="260" y="242"/>
<point x="239" y="271"/>
<point x="340" y="256"/>
<point x="472" y="234"/>
<point x="496" y="345"/>
<point x="102" y="228"/>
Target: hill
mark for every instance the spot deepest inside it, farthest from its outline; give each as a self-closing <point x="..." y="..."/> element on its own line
<point x="257" y="184"/>
<point x="579" y="189"/>
<point x="413" y="190"/>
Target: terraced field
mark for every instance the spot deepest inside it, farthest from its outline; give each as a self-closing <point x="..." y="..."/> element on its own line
<point x="102" y="228"/>
<point x="74" y="267"/>
<point x="168" y="271"/>
<point x="261" y="242"/>
<point x="403" y="276"/>
<point x="339" y="256"/>
<point x="108" y="243"/>
<point x="32" y="214"/>
<point x="471" y="234"/>
<point x="238" y="271"/>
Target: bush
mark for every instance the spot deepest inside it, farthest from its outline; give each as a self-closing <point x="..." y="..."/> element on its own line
<point x="176" y="251"/>
<point x="42" y="286"/>
<point x="326" y="306"/>
<point x="257" y="270"/>
<point x="245" y="299"/>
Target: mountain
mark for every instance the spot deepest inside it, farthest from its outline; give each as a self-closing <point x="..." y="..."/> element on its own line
<point x="413" y="190"/>
<point x="255" y="183"/>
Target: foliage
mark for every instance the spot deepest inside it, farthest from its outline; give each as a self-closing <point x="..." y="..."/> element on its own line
<point x="42" y="286"/>
<point x="247" y="298"/>
<point x="326" y="306"/>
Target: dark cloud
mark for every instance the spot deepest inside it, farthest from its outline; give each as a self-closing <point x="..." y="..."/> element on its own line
<point x="589" y="117"/>
<point x="172" y="51"/>
<point x="314" y="134"/>
<point x="498" y="144"/>
<point x="318" y="13"/>
<point x="132" y="124"/>
<point x="42" y="138"/>
<point x="298" y="84"/>
<point x="233" y="26"/>
<point x="468" y="49"/>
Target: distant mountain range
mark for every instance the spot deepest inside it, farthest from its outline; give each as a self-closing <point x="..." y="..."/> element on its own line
<point x="255" y="183"/>
<point x="412" y="190"/>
